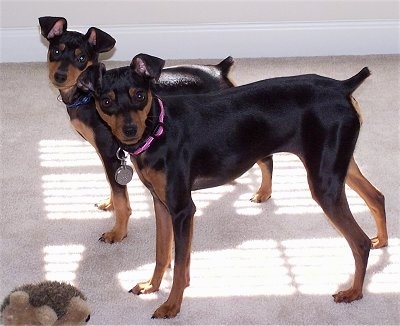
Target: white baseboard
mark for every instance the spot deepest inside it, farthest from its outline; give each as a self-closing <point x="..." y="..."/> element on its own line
<point x="211" y="41"/>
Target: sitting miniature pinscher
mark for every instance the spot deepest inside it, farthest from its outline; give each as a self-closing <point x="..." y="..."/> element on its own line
<point x="69" y="54"/>
<point x="183" y="143"/>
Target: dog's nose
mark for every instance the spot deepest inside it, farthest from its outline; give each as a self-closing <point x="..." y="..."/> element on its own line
<point x="130" y="130"/>
<point x="60" y="77"/>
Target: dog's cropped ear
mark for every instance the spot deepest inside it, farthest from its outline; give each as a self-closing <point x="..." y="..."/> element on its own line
<point x="51" y="27"/>
<point x="90" y="80"/>
<point x="101" y="41"/>
<point x="147" y="66"/>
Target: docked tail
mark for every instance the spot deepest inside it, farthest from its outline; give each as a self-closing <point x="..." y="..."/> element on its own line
<point x="224" y="68"/>
<point x="352" y="83"/>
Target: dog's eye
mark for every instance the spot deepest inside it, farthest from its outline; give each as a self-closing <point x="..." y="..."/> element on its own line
<point x="105" y="102"/>
<point x="82" y="58"/>
<point x="140" y="95"/>
<point x="56" y="52"/>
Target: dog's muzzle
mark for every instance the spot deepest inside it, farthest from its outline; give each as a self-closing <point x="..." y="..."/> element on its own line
<point x="130" y="130"/>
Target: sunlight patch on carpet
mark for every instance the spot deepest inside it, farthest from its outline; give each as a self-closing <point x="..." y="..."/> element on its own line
<point x="63" y="153"/>
<point x="62" y="262"/>
<point x="319" y="266"/>
<point x="74" y="195"/>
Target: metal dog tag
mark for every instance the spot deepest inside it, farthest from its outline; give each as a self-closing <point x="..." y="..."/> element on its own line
<point x="124" y="173"/>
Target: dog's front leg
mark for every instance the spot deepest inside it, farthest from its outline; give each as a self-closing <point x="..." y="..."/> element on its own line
<point x="122" y="210"/>
<point x="119" y="199"/>
<point x="98" y="135"/>
<point x="164" y="237"/>
<point x="183" y="231"/>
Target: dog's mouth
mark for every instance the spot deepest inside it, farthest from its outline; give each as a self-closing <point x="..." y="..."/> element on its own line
<point x="68" y="93"/>
<point x="65" y="88"/>
<point x="129" y="141"/>
<point x="65" y="85"/>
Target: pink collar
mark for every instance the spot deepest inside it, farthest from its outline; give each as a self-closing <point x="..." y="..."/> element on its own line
<point x="157" y="132"/>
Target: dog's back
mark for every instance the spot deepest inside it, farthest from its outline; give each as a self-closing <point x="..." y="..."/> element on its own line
<point x="195" y="79"/>
<point x="255" y="110"/>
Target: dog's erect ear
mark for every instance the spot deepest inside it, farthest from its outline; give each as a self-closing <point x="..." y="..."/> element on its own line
<point x="51" y="27"/>
<point x="147" y="66"/>
<point x="90" y="80"/>
<point x="101" y="41"/>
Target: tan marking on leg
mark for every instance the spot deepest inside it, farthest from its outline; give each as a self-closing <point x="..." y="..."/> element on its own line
<point x="265" y="190"/>
<point x="374" y="199"/>
<point x="120" y="201"/>
<point x="172" y="306"/>
<point x="122" y="212"/>
<point x="155" y="180"/>
<point x="164" y="239"/>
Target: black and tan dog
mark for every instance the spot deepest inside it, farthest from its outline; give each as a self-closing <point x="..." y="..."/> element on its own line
<point x="69" y="54"/>
<point x="182" y="143"/>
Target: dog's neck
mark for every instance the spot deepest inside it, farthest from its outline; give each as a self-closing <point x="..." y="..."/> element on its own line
<point x="73" y="96"/>
<point x="153" y="130"/>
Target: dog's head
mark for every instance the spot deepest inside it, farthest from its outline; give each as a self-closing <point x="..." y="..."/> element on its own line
<point x="123" y="96"/>
<point x="71" y="52"/>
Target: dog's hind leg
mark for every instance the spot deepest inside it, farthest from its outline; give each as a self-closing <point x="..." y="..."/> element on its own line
<point x="265" y="190"/>
<point x="374" y="199"/>
<point x="359" y="243"/>
<point x="328" y="190"/>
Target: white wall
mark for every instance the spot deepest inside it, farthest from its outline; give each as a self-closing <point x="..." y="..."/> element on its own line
<point x="210" y="28"/>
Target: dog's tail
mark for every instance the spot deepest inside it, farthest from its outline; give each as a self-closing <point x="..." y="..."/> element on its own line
<point x="225" y="66"/>
<point x="352" y="83"/>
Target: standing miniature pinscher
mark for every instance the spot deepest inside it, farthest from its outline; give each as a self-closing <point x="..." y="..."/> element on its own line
<point x="69" y="54"/>
<point x="183" y="143"/>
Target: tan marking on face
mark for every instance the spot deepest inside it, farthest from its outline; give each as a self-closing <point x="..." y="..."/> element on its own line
<point x="114" y="121"/>
<point x="117" y="121"/>
<point x="132" y="92"/>
<point x="72" y="72"/>
<point x="140" y="116"/>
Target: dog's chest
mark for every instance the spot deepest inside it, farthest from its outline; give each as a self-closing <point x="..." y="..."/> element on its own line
<point x="154" y="180"/>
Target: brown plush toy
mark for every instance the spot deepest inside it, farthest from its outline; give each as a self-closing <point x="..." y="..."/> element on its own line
<point x="45" y="303"/>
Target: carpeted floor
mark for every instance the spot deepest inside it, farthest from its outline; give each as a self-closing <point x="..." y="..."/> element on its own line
<point x="271" y="263"/>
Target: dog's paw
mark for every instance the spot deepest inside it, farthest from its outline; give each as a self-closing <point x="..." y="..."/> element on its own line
<point x="144" y="288"/>
<point x="112" y="236"/>
<point x="166" y="311"/>
<point x="377" y="243"/>
<point x="105" y="205"/>
<point x="260" y="197"/>
<point x="347" y="296"/>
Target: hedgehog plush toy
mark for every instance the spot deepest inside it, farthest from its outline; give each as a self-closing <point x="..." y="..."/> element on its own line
<point x="45" y="303"/>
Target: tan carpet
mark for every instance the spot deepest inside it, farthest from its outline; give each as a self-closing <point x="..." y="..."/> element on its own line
<point x="272" y="263"/>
